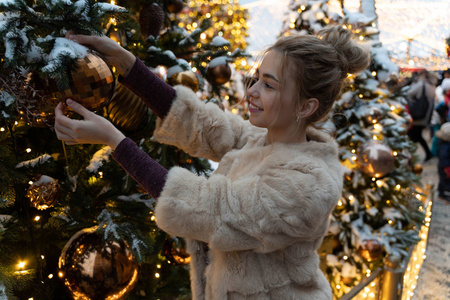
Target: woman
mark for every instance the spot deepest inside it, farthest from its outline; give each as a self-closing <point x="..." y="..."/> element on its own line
<point x="265" y="210"/>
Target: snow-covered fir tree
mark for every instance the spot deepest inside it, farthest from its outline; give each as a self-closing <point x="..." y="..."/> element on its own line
<point x="377" y="219"/>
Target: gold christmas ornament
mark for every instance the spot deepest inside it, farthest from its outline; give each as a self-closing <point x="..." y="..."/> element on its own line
<point x="175" y="251"/>
<point x="218" y="71"/>
<point x="370" y="250"/>
<point x="126" y="110"/>
<point x="44" y="192"/>
<point x="347" y="280"/>
<point x="375" y="159"/>
<point x="186" y="78"/>
<point x="91" y="84"/>
<point x="95" y="269"/>
<point x="417" y="169"/>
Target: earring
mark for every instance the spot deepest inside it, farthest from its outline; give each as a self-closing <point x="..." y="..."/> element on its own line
<point x="298" y="118"/>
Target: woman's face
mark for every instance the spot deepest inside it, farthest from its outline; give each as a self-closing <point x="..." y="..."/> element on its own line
<point x="271" y="103"/>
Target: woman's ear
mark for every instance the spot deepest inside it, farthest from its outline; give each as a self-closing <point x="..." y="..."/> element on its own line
<point x="309" y="107"/>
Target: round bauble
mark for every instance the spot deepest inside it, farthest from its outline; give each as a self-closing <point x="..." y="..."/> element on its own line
<point x="218" y="71"/>
<point x="94" y="269"/>
<point x="417" y="169"/>
<point x="340" y="120"/>
<point x="370" y="250"/>
<point x="151" y="20"/>
<point x="186" y="78"/>
<point x="174" y="6"/>
<point x="44" y="192"/>
<point x="347" y="280"/>
<point x="375" y="159"/>
<point x="126" y="110"/>
<point x="91" y="84"/>
<point x="175" y="251"/>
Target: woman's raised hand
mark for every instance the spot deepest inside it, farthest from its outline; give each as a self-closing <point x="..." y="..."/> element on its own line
<point x="94" y="129"/>
<point x="112" y="52"/>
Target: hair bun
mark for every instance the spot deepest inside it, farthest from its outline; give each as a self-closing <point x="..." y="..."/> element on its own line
<point x="354" y="57"/>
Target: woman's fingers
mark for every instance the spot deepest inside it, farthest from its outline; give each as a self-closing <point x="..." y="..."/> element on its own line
<point x="80" y="38"/>
<point x="78" y="108"/>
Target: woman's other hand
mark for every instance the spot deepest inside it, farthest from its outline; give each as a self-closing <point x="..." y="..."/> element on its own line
<point x="94" y="129"/>
<point x="112" y="52"/>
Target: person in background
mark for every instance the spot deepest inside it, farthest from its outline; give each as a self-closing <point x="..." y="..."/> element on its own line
<point x="441" y="112"/>
<point x="253" y="227"/>
<point x="444" y="162"/>
<point x="415" y="133"/>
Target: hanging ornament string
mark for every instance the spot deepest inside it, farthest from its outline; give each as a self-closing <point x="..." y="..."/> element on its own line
<point x="65" y="154"/>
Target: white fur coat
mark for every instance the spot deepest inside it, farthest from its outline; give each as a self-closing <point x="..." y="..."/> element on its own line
<point x="263" y="213"/>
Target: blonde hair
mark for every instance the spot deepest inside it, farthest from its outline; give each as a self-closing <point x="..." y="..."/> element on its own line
<point x="320" y="64"/>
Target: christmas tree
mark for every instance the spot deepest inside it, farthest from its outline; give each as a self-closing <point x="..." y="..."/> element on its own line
<point x="378" y="217"/>
<point x="73" y="224"/>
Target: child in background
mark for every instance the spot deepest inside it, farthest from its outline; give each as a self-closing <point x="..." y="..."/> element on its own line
<point x="444" y="161"/>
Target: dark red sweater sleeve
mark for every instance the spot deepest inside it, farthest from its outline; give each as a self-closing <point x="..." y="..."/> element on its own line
<point x="145" y="170"/>
<point x="156" y="93"/>
<point x="159" y="96"/>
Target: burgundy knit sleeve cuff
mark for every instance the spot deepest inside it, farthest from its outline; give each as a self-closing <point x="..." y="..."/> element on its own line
<point x="145" y="170"/>
<point x="156" y="93"/>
